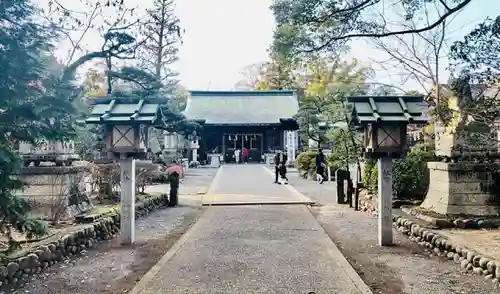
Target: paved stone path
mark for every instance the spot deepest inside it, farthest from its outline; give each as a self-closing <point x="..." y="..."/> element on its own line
<point x="253" y="248"/>
<point x="250" y="184"/>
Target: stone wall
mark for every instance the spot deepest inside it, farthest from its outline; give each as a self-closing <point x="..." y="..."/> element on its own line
<point x="459" y="188"/>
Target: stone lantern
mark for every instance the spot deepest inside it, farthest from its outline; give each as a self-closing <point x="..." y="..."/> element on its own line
<point x="194" y="145"/>
<point x="384" y="121"/>
<point x="126" y="124"/>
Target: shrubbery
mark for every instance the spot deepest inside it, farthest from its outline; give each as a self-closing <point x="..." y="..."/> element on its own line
<point x="334" y="163"/>
<point x="305" y="161"/>
<point x="370" y="176"/>
<point x="410" y="175"/>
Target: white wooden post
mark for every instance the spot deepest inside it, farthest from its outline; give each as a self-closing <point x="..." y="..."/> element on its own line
<point x="385" y="201"/>
<point x="329" y="171"/>
<point x="127" y="201"/>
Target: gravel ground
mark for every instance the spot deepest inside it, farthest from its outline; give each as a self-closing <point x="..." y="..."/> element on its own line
<point x="111" y="268"/>
<point x="406" y="268"/>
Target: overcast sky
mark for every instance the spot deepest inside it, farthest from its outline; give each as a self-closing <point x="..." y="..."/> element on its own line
<point x="223" y="36"/>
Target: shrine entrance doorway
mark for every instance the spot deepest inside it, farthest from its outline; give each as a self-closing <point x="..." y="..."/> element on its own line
<point x="251" y="141"/>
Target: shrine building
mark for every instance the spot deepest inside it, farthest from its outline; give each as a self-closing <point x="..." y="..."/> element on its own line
<point x="261" y="121"/>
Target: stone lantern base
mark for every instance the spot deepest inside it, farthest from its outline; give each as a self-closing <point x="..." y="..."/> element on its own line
<point x="60" y="188"/>
<point x="460" y="188"/>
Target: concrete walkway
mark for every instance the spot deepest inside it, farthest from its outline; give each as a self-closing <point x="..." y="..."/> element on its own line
<point x="253" y="248"/>
<point x="250" y="184"/>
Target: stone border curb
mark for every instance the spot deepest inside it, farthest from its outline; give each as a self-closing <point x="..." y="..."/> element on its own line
<point x="442" y="246"/>
<point x="442" y="223"/>
<point x="38" y="259"/>
<point x="335" y="252"/>
<point x="150" y="275"/>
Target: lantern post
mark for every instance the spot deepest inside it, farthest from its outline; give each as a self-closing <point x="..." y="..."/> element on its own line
<point x="384" y="121"/>
<point x="126" y="124"/>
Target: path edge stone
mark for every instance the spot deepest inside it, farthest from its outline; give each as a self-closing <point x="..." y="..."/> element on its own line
<point x="342" y="261"/>
<point x="440" y="245"/>
<point x="150" y="275"/>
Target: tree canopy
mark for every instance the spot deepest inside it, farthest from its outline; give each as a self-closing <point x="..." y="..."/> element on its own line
<point x="36" y="104"/>
<point x="308" y="26"/>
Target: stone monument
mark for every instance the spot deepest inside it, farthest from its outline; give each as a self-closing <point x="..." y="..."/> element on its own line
<point x="461" y="184"/>
<point x="460" y="188"/>
<point x="51" y="188"/>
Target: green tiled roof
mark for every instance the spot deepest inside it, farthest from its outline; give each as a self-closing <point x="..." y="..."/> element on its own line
<point x="241" y="107"/>
<point x="125" y="110"/>
<point x="372" y="109"/>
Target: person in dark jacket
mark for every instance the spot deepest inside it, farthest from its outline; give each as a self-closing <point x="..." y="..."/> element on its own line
<point x="320" y="166"/>
<point x="280" y="160"/>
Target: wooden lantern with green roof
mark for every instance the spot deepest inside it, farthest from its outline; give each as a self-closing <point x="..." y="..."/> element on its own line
<point x="127" y="122"/>
<point x="384" y="121"/>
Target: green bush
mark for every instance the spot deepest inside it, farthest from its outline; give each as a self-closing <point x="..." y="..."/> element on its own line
<point x="373" y="180"/>
<point x="410" y="175"/>
<point x="370" y="165"/>
<point x="334" y="163"/>
<point x="305" y="160"/>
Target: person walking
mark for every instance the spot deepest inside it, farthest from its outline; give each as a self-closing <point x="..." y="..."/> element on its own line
<point x="320" y="166"/>
<point x="237" y="154"/>
<point x="277" y="166"/>
<point x="280" y="161"/>
<point x="244" y="153"/>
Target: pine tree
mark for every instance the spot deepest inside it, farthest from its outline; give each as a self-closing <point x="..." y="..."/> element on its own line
<point x="34" y="104"/>
<point x="163" y="35"/>
<point x="157" y="54"/>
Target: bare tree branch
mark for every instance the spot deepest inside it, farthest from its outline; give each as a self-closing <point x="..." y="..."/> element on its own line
<point x="419" y="54"/>
<point x="449" y="11"/>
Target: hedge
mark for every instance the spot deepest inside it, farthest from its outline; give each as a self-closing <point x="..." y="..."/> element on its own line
<point x="306" y="162"/>
<point x="410" y="175"/>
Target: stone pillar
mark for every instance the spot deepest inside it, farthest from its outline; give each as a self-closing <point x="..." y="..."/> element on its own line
<point x="127" y="201"/>
<point x="385" y="201"/>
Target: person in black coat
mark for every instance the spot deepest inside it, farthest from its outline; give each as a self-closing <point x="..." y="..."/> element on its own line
<point x="320" y="166"/>
<point x="280" y="160"/>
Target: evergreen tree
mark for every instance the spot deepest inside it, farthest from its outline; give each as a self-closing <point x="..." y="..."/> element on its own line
<point x="34" y="104"/>
<point x="157" y="54"/>
<point x="163" y="35"/>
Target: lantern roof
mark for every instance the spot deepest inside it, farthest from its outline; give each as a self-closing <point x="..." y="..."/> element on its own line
<point x="127" y="110"/>
<point x="387" y="109"/>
